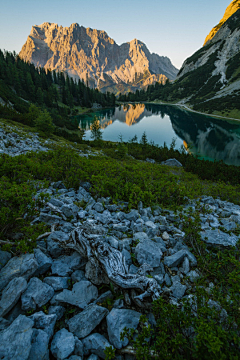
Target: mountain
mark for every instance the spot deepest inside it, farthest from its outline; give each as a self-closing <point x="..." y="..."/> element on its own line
<point x="231" y="9"/>
<point x="93" y="56"/>
<point x="209" y="80"/>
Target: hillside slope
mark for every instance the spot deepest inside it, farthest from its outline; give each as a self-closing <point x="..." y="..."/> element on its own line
<point x="231" y="9"/>
<point x="210" y="78"/>
<point x="93" y="56"/>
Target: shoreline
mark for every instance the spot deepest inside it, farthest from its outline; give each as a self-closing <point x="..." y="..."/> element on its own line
<point x="196" y="112"/>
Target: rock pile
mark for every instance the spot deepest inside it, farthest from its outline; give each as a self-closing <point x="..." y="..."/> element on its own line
<point x="52" y="301"/>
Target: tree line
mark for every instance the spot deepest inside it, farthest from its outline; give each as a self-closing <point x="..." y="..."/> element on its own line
<point x="23" y="84"/>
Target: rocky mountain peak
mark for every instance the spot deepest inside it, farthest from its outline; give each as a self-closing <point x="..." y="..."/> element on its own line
<point x="231" y="9"/>
<point x="83" y="52"/>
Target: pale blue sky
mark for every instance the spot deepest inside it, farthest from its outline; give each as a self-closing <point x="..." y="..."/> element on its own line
<point x="175" y="28"/>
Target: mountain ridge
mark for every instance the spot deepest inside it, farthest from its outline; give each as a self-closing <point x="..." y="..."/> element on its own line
<point x="93" y="56"/>
<point x="231" y="9"/>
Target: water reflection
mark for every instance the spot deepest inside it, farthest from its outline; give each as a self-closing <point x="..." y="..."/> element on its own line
<point x="210" y="138"/>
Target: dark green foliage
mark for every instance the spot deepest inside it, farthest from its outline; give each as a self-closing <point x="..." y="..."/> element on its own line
<point x="22" y="84"/>
<point x="17" y="207"/>
<point x="44" y="122"/>
<point x="233" y="66"/>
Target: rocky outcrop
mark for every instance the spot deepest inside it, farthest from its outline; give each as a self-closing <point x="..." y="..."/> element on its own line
<point x="231" y="9"/>
<point x="93" y="56"/>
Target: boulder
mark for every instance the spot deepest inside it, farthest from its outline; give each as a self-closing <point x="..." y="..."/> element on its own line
<point x="217" y="237"/>
<point x="36" y="294"/>
<point x="85" y="322"/>
<point x="44" y="262"/>
<point x="117" y="320"/>
<point x="15" y="341"/>
<point x="22" y="266"/>
<point x="57" y="283"/>
<point x="175" y="259"/>
<point x="56" y="310"/>
<point x="82" y="294"/>
<point x="5" y="256"/>
<point x="11" y="294"/>
<point x="39" y="349"/>
<point x="98" y="207"/>
<point x="171" y="162"/>
<point x="96" y="344"/>
<point x="78" y="347"/>
<point x="133" y="215"/>
<point x="44" y="322"/>
<point x="148" y="252"/>
<point x="53" y="243"/>
<point x="177" y="289"/>
<point x="78" y="275"/>
<point x="63" y="344"/>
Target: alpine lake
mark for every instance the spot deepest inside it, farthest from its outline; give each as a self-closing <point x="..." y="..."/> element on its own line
<point x="207" y="137"/>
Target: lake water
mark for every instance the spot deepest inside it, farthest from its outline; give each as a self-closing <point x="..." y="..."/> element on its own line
<point x="210" y="138"/>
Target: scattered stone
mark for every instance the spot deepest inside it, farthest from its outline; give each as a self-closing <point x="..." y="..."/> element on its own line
<point x="193" y="275"/>
<point x="44" y="322"/>
<point x="61" y="268"/>
<point x="24" y="266"/>
<point x="117" y="320"/>
<point x="78" y="347"/>
<point x="177" y="289"/>
<point x="49" y="219"/>
<point x="165" y="236"/>
<point x="175" y="259"/>
<point x="44" y="262"/>
<point x="11" y="294"/>
<point x="84" y="323"/>
<point x="4" y="258"/>
<point x="56" y="310"/>
<point x="39" y="349"/>
<point x="96" y="344"/>
<point x="37" y="294"/>
<point x="63" y="344"/>
<point x="171" y="162"/>
<point x="148" y="252"/>
<point x="78" y="275"/>
<point x="93" y="357"/>
<point x="217" y="237"/>
<point x="82" y="294"/>
<point x="57" y="283"/>
<point x="53" y="243"/>
<point x="15" y="341"/>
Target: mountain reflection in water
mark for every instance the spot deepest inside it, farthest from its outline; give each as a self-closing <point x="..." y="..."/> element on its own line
<point x="210" y="138"/>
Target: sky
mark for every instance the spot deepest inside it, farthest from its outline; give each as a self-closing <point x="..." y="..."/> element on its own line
<point x="172" y="28"/>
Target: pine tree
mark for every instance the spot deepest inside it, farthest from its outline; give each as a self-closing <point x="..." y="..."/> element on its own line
<point x="96" y="133"/>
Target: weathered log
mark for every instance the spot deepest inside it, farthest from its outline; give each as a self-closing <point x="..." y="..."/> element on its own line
<point x="113" y="263"/>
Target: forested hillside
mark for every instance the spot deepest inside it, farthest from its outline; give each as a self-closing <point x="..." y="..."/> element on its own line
<point x="22" y="84"/>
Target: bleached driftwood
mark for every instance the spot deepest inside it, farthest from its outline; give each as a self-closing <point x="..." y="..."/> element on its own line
<point x="113" y="263"/>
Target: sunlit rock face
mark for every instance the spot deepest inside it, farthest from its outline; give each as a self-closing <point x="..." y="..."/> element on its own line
<point x="92" y="53"/>
<point x="231" y="9"/>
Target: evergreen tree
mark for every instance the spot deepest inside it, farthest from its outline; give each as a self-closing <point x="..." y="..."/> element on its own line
<point x="44" y="122"/>
<point x="96" y="133"/>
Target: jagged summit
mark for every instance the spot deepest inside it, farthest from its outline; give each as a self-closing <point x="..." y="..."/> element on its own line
<point x="83" y="52"/>
<point x="231" y="9"/>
